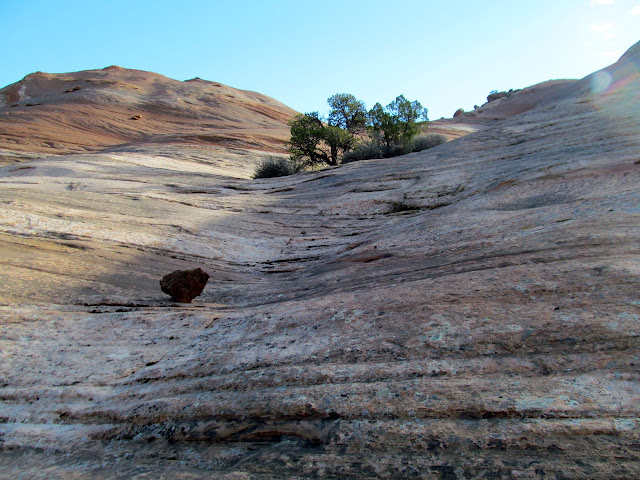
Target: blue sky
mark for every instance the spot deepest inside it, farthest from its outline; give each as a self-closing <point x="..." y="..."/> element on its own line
<point x="444" y="53"/>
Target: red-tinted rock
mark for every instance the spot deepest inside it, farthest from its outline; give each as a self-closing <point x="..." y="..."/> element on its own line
<point x="184" y="285"/>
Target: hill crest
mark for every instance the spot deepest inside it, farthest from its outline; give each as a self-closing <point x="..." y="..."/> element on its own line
<point x="96" y="109"/>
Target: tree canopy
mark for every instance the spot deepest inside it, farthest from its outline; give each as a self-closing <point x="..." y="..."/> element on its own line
<point x="315" y="141"/>
<point x="397" y="121"/>
<point x="347" y="112"/>
<point x="307" y="133"/>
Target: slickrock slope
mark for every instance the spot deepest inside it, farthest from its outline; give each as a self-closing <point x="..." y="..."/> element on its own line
<point x="471" y="311"/>
<point x="512" y="104"/>
<point x="95" y="109"/>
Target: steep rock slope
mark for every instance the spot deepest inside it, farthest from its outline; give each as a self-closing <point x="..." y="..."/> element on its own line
<point x="492" y="112"/>
<point x="95" y="109"/>
<point x="466" y="312"/>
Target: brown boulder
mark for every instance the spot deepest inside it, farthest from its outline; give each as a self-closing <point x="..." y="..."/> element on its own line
<point x="184" y="285"/>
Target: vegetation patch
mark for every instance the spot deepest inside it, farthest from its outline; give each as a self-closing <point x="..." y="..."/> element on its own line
<point x="276" y="167"/>
<point x="351" y="133"/>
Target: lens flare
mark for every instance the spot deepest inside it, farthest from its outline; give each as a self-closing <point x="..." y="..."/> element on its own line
<point x="600" y="81"/>
<point x="615" y="91"/>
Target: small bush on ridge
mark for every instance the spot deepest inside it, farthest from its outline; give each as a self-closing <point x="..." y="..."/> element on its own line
<point x="275" y="167"/>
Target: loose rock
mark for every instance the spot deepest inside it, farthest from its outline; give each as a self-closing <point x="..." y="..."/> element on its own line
<point x="184" y="285"/>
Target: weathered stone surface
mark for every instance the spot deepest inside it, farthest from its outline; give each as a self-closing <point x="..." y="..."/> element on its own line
<point x="489" y="331"/>
<point x="184" y="285"/>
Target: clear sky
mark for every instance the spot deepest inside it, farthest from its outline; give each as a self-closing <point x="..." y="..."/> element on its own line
<point x="444" y="53"/>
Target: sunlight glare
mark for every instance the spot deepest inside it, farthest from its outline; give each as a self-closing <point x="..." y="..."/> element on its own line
<point x="600" y="81"/>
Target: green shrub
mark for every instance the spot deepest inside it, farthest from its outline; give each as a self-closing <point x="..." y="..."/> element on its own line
<point x="364" y="151"/>
<point x="423" y="142"/>
<point x="374" y="149"/>
<point x="275" y="167"/>
<point x="371" y="149"/>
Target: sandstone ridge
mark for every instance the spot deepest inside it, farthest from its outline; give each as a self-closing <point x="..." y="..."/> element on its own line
<point x="470" y="311"/>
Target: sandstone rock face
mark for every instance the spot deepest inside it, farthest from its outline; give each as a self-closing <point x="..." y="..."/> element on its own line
<point x="184" y="285"/>
<point x="488" y="329"/>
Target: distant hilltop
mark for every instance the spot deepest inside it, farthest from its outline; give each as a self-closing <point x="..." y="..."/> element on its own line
<point x="92" y="110"/>
<point x="96" y="109"/>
